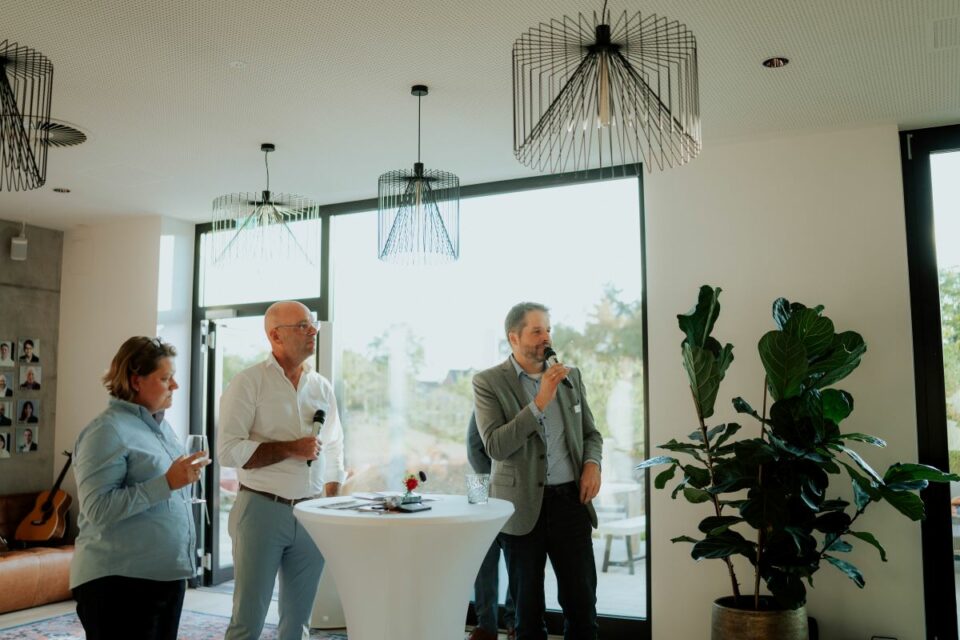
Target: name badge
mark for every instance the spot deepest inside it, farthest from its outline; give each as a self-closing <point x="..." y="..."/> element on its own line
<point x="576" y="408"/>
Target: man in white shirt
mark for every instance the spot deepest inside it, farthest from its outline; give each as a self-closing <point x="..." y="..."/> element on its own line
<point x="266" y="432"/>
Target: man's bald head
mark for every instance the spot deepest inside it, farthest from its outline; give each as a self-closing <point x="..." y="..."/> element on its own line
<point x="284" y="312"/>
<point x="291" y="330"/>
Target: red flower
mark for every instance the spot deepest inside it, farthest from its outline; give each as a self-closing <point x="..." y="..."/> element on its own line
<point x="412" y="483"/>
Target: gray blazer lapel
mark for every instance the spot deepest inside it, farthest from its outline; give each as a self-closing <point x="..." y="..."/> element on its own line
<point x="513" y="381"/>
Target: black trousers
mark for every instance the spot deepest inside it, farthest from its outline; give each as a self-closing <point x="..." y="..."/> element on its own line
<point x="121" y="608"/>
<point x="562" y="534"/>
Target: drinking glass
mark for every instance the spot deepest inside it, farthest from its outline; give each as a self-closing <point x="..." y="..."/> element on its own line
<point x="194" y="444"/>
<point x="478" y="488"/>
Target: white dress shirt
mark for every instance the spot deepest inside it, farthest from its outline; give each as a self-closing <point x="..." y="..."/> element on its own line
<point x="261" y="405"/>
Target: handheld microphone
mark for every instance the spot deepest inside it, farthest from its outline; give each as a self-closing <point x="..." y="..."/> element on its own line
<point x="318" y="417"/>
<point x="551" y="358"/>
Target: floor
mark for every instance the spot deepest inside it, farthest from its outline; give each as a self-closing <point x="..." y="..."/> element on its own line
<point x="202" y="600"/>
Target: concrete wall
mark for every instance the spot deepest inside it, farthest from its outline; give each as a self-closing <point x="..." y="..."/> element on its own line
<point x="30" y="308"/>
<point x="819" y="219"/>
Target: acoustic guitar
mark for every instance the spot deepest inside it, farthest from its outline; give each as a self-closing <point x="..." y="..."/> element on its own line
<point x="48" y="520"/>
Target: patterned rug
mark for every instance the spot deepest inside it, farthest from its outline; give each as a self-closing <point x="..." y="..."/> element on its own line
<point x="193" y="626"/>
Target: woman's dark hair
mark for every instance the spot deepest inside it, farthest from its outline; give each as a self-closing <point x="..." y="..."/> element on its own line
<point x="23" y="410"/>
<point x="138" y="356"/>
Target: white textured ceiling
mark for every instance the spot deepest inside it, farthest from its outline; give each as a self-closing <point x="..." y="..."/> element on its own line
<point x="177" y="95"/>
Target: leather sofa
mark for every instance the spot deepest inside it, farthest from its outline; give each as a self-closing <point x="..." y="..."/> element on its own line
<point x="30" y="577"/>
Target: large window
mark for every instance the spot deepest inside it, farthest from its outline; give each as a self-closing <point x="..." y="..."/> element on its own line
<point x="401" y="345"/>
<point x="407" y="342"/>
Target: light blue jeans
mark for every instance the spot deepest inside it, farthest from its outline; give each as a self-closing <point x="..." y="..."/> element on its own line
<point x="267" y="538"/>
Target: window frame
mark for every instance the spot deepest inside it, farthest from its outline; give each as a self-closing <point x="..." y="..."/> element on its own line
<point x="200" y="412"/>
<point x="916" y="147"/>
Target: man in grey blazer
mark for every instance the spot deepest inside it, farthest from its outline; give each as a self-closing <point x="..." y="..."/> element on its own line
<point x="546" y="454"/>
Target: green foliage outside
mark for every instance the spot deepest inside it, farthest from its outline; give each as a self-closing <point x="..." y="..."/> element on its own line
<point x="950" y="324"/>
<point x="435" y="414"/>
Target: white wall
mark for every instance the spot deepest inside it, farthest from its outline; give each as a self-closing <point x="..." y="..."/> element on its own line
<point x="175" y="309"/>
<point x="109" y="292"/>
<point x="819" y="219"/>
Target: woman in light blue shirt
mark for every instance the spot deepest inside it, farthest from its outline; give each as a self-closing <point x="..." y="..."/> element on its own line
<point x="137" y="538"/>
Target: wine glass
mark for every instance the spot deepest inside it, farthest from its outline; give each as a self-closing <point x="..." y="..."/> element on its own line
<point x="194" y="444"/>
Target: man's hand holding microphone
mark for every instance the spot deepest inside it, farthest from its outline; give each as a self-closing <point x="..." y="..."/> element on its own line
<point x="555" y="374"/>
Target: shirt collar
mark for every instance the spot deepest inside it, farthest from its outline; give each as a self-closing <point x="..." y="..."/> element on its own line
<point x="520" y="372"/>
<point x="152" y="420"/>
<point x="271" y="361"/>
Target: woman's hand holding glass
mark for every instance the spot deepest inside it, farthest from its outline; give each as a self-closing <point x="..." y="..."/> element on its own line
<point x="186" y="470"/>
<point x="197" y="449"/>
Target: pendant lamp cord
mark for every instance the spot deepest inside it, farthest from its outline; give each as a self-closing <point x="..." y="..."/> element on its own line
<point x="603" y="12"/>
<point x="418" y="128"/>
<point x="267" y="166"/>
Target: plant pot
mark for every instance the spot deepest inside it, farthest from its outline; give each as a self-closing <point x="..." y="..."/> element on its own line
<point x="730" y="622"/>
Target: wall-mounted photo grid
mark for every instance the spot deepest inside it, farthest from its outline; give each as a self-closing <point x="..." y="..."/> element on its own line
<point x="27" y="432"/>
<point x="30" y="377"/>
<point x="8" y="383"/>
<point x="28" y="351"/>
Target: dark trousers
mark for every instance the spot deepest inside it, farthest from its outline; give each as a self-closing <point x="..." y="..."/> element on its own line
<point x="563" y="534"/>
<point x="486" y="589"/>
<point x="121" y="608"/>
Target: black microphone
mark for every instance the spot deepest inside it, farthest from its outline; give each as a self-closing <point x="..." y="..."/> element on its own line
<point x="318" y="417"/>
<point x="551" y="358"/>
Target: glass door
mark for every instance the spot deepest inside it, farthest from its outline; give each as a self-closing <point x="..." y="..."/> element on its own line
<point x="233" y="344"/>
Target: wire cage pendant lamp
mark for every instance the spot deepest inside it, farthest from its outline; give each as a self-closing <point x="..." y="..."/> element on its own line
<point x="418" y="211"/>
<point x="265" y="225"/>
<point x="595" y="93"/>
<point x="26" y="78"/>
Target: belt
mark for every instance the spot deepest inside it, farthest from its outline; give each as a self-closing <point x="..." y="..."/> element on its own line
<point x="560" y="488"/>
<point x="266" y="494"/>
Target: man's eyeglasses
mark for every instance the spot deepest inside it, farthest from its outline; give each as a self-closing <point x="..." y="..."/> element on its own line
<point x="303" y="326"/>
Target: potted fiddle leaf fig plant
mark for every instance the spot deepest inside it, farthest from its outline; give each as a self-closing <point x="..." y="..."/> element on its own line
<point x="769" y="496"/>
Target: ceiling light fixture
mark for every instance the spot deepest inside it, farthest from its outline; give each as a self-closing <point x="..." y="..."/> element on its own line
<point x="591" y="93"/>
<point x="259" y="226"/>
<point x="418" y="212"/>
<point x="26" y="78"/>
<point x="776" y="62"/>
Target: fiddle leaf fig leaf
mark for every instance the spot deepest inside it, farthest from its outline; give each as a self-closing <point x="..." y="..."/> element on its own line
<point x="684" y="539"/>
<point x="863" y="437"/>
<point x="813" y="330"/>
<point x="837" y="405"/>
<point x="695" y="496"/>
<point x="840" y="545"/>
<point x="862" y="464"/>
<point x="722" y="545"/>
<point x="731" y="429"/>
<point x="785" y="362"/>
<point x="697" y="324"/>
<point x="907" y="503"/>
<point x="701" y="368"/>
<point x="839" y="360"/>
<point x="742" y="406"/>
<point x="851" y="571"/>
<point x="910" y="472"/>
<point x="715" y="525"/>
<point x="652" y="462"/>
<point x="870" y="539"/>
<point x="664" y="476"/>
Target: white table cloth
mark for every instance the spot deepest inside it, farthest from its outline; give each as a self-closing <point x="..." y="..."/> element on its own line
<point x="405" y="576"/>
